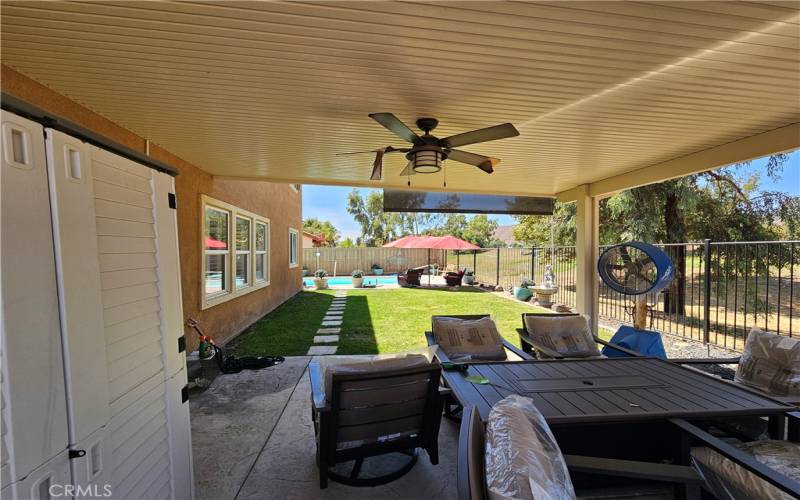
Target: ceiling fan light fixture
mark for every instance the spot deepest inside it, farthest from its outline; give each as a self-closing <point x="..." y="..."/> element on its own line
<point x="427" y="162"/>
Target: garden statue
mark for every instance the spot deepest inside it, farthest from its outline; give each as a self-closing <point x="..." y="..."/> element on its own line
<point x="549" y="277"/>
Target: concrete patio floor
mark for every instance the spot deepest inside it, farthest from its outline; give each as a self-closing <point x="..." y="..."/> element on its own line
<point x="252" y="438"/>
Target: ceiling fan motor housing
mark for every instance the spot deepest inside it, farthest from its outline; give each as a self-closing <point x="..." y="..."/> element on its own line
<point x="427" y="124"/>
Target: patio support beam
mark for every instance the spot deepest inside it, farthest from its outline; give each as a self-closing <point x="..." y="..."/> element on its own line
<point x="779" y="140"/>
<point x="587" y="219"/>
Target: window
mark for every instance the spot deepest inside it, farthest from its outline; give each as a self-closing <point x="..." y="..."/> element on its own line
<point x="262" y="253"/>
<point x="294" y="238"/>
<point x="235" y="252"/>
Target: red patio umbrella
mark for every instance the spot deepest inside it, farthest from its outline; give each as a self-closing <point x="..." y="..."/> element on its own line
<point x="212" y="244"/>
<point x="448" y="242"/>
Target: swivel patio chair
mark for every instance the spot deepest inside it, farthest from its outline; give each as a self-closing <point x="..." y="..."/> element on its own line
<point x="471" y="473"/>
<point x="561" y="336"/>
<point x="454" y="279"/>
<point x="736" y="470"/>
<point x="510" y="352"/>
<point x="411" y="277"/>
<point x="364" y="410"/>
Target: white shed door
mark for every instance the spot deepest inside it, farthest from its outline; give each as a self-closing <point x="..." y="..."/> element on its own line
<point x="130" y="419"/>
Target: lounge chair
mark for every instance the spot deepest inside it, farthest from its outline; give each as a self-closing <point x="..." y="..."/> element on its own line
<point x="760" y="469"/>
<point x="562" y="335"/>
<point x="387" y="406"/>
<point x="452" y="408"/>
<point x="411" y="277"/>
<point x="454" y="279"/>
<point x="471" y="481"/>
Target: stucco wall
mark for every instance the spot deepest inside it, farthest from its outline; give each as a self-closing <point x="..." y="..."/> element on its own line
<point x="278" y="202"/>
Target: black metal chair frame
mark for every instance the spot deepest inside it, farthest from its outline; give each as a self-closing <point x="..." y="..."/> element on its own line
<point x="452" y="409"/>
<point x="326" y="415"/>
<point x="471" y="478"/>
<point x="534" y="348"/>
<point x="412" y="276"/>
<point x="697" y="435"/>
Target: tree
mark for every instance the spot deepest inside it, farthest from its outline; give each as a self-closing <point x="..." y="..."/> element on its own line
<point x="325" y="228"/>
<point x="377" y="227"/>
<point x="480" y="231"/>
<point x="347" y="243"/>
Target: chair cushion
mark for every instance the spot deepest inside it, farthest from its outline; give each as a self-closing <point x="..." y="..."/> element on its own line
<point x="770" y="363"/>
<point x="371" y="364"/>
<point x="523" y="460"/>
<point x="781" y="456"/>
<point x="468" y="339"/>
<point x="570" y="336"/>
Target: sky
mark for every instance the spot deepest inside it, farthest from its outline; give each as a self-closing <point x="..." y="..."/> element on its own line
<point x="330" y="202"/>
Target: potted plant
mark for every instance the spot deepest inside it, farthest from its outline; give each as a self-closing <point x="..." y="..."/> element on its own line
<point x="320" y="279"/>
<point x="305" y="271"/>
<point x="377" y="270"/>
<point x="522" y="292"/>
<point x="358" y="278"/>
<point x="469" y="278"/>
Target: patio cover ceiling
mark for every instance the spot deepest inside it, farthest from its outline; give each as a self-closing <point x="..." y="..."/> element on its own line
<point x="275" y="90"/>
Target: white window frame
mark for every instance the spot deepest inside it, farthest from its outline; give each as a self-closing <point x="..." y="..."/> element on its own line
<point x="261" y="254"/>
<point x="231" y="292"/>
<point x="296" y="234"/>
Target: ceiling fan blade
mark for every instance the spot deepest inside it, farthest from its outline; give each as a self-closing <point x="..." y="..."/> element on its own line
<point x="394" y="124"/>
<point x="481" y="135"/>
<point x="408" y="170"/>
<point x="484" y="163"/>
<point x="377" y="166"/>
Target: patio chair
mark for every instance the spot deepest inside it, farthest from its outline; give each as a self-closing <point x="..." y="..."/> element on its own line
<point x="363" y="410"/>
<point x="411" y="277"/>
<point x="760" y="469"/>
<point x="454" y="279"/>
<point x="561" y="336"/>
<point x="512" y="352"/>
<point x="471" y="481"/>
<point x="769" y="365"/>
<point x="452" y="408"/>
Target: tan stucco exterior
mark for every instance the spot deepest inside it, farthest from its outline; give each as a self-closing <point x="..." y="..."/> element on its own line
<point x="277" y="202"/>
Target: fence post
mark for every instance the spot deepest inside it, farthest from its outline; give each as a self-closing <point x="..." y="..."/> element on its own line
<point x="497" y="280"/>
<point x="707" y="290"/>
<point x="533" y="262"/>
<point x="458" y="260"/>
<point x="475" y="263"/>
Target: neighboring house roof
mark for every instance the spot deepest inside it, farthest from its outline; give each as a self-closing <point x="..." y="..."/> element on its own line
<point x="316" y="238"/>
<point x="505" y="234"/>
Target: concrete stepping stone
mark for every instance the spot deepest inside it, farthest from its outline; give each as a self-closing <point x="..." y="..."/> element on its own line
<point x="332" y="318"/>
<point x="331" y="322"/>
<point x="334" y="313"/>
<point x="321" y="350"/>
<point x="325" y="331"/>
<point x="326" y="339"/>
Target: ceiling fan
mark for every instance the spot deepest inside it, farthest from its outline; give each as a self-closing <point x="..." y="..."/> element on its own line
<point x="428" y="151"/>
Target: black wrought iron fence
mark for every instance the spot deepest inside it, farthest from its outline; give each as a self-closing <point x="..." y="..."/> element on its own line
<point x="721" y="291"/>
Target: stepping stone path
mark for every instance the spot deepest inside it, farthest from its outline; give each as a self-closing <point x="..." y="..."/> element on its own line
<point x="330" y="327"/>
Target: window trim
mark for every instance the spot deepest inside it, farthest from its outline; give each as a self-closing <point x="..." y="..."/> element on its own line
<point x="231" y="292"/>
<point x="257" y="253"/>
<point x="296" y="234"/>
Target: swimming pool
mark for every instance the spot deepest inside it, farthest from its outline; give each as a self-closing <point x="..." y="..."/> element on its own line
<point x="348" y="281"/>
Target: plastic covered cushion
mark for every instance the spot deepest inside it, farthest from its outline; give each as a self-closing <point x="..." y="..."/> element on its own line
<point x="523" y="460"/>
<point x="468" y="339"/>
<point x="570" y="336"/>
<point x="781" y="456"/>
<point x="372" y="364"/>
<point x="770" y="363"/>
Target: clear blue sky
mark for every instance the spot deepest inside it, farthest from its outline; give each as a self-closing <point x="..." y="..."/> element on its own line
<point x="330" y="202"/>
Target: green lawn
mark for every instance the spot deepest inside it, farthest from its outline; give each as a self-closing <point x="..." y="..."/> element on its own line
<point x="375" y="321"/>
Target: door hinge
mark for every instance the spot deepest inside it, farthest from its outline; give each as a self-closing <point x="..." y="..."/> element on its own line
<point x="76" y="454"/>
<point x="185" y="393"/>
<point x="181" y="343"/>
<point x="173" y="201"/>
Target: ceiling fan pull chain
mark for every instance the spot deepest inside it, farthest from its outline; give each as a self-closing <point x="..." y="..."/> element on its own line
<point x="445" y="175"/>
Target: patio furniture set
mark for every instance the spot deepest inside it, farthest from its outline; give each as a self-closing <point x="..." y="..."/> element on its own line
<point x="411" y="277"/>
<point x="558" y="415"/>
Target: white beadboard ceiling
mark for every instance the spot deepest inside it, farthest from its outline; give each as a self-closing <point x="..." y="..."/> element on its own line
<point x="274" y="90"/>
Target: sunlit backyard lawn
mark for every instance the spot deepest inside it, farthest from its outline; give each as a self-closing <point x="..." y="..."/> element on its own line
<point x="375" y="321"/>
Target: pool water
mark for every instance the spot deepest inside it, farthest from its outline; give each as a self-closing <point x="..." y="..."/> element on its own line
<point x="347" y="281"/>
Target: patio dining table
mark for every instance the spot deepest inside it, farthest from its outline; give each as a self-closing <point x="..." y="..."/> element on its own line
<point x="596" y="391"/>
